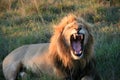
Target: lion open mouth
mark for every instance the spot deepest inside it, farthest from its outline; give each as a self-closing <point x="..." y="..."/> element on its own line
<point x="77" y="44"/>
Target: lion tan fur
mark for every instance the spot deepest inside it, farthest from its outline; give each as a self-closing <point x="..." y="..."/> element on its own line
<point x="57" y="58"/>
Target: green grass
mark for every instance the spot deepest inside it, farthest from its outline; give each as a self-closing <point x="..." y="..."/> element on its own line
<point x="107" y="51"/>
<point x="25" y="22"/>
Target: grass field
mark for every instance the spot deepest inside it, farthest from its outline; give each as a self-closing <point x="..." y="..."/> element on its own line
<point x="30" y="21"/>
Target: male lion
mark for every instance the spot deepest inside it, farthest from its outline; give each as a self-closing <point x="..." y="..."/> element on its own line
<point x="68" y="56"/>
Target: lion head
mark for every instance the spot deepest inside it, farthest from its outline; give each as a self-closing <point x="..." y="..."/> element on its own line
<point x="72" y="40"/>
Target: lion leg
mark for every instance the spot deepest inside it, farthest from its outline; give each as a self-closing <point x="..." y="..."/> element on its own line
<point x="11" y="70"/>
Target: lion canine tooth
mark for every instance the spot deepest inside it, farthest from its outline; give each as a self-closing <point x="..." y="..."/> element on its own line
<point x="81" y="36"/>
<point x="74" y="36"/>
<point x="75" y="52"/>
<point x="80" y="52"/>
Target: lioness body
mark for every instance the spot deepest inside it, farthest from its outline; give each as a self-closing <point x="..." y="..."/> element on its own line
<point x="69" y="55"/>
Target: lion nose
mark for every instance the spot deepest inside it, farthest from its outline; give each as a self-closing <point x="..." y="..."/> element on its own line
<point x="78" y="30"/>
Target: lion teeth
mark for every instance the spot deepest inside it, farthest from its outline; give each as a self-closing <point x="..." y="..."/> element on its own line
<point x="80" y="52"/>
<point x="81" y="36"/>
<point x="74" y="36"/>
<point x="75" y="52"/>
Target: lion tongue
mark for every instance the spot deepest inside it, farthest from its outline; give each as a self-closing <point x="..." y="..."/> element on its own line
<point x="76" y="46"/>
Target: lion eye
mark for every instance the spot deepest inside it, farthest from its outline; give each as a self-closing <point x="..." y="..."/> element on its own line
<point x="81" y="25"/>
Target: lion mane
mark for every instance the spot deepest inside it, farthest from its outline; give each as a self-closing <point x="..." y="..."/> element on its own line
<point x="69" y="55"/>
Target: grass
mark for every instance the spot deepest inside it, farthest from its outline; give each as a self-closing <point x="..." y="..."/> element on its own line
<point x="25" y="22"/>
<point x="107" y="52"/>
